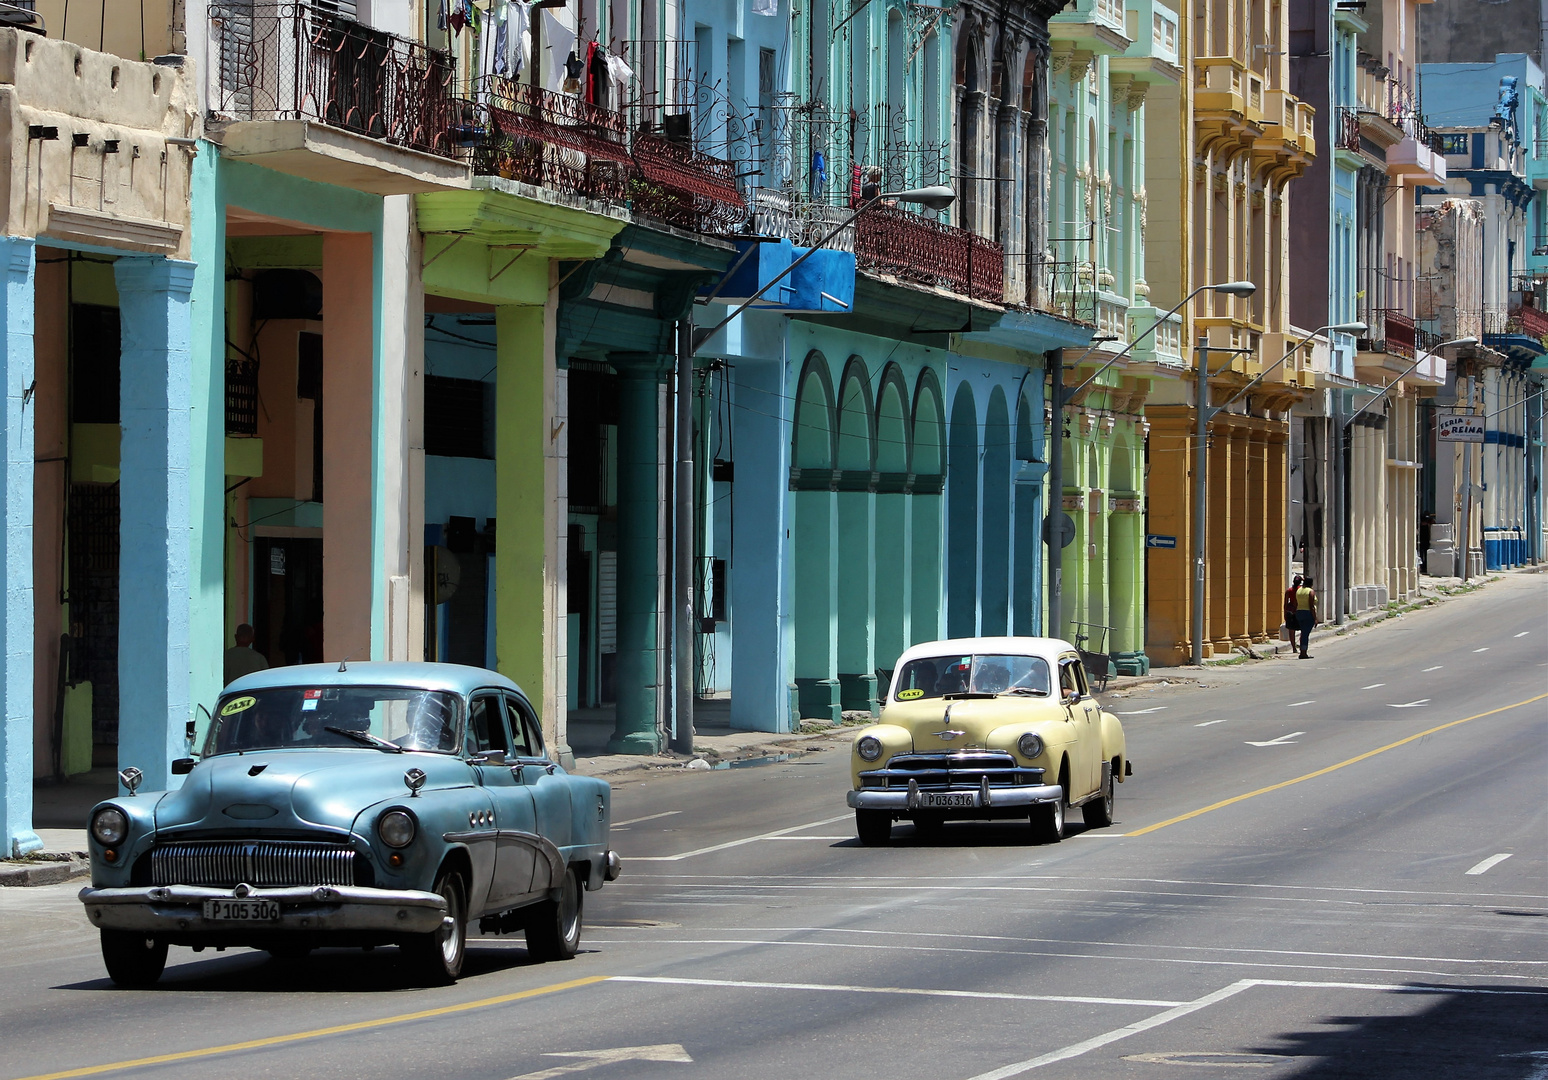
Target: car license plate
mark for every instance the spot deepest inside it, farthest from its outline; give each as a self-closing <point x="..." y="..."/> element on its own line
<point x="947" y="800"/>
<point x="242" y="910"/>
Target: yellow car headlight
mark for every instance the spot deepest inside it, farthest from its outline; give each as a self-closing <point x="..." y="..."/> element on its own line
<point x="1030" y="745"/>
<point x="869" y="747"/>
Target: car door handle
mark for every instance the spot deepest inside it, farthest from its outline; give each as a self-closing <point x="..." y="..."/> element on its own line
<point x="516" y="773"/>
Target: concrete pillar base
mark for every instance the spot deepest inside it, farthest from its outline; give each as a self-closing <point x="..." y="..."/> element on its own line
<point x="1131" y="663"/>
<point x="858" y="693"/>
<point x="819" y="699"/>
<point x="639" y="743"/>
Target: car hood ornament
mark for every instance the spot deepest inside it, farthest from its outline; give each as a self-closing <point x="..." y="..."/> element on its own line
<point x="949" y="734"/>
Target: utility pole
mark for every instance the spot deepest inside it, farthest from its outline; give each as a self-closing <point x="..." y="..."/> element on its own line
<point x="1465" y="542"/>
<point x="1200" y="519"/>
<point x="681" y="739"/>
<point x="1053" y="519"/>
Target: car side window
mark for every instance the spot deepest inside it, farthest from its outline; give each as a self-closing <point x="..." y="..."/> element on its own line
<point x="486" y="728"/>
<point x="526" y="732"/>
<point x="1068" y="678"/>
<point x="1080" y="678"/>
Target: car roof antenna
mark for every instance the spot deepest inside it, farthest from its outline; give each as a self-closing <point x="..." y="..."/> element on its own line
<point x="343" y="662"/>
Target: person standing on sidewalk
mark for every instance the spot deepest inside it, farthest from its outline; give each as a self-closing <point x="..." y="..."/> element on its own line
<point x="1290" y="623"/>
<point x="1305" y="613"/>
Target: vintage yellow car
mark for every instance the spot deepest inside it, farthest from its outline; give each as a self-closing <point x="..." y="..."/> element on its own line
<point x="982" y="728"/>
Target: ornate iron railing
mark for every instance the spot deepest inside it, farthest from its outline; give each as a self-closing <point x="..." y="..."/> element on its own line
<point x="677" y="185"/>
<point x="1529" y="320"/>
<point x="552" y="140"/>
<point x="917" y="249"/>
<point x="296" y="61"/>
<point x="1398" y="333"/>
<point x="1348" y="134"/>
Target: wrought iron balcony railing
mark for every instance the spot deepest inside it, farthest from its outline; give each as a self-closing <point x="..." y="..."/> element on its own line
<point x="678" y="185"/>
<point x="550" y="140"/>
<point x="1529" y="320"/>
<point x="297" y="61"/>
<point x="919" y="249"/>
<point x="1399" y="333"/>
<point x="1348" y="134"/>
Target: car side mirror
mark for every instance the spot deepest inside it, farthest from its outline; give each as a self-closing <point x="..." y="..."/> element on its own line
<point x="489" y="757"/>
<point x="1071" y="697"/>
<point x="182" y="766"/>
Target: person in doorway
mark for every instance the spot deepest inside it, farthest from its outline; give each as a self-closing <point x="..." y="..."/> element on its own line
<point x="242" y="658"/>
<point x="1295" y="583"/>
<point x="1305" y="613"/>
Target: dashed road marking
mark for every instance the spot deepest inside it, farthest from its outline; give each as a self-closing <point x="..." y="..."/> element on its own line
<point x="1373" y="686"/>
<point x="1142" y="712"/>
<point x="1298" y="704"/>
<point x="647" y="817"/>
<point x="1437" y="667"/>
<point x="977" y="995"/>
<point x="1484" y="649"/>
<point x="1283" y="740"/>
<point x="738" y="843"/>
<point x="1524" y="633"/>
<point x="1207" y="723"/>
<point x="1409" y="704"/>
<point x="1489" y="863"/>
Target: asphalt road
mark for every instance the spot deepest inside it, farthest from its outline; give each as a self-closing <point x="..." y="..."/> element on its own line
<point x="1325" y="868"/>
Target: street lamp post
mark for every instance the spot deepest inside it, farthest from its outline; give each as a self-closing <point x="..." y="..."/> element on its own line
<point x="689" y="341"/>
<point x="1341" y="564"/>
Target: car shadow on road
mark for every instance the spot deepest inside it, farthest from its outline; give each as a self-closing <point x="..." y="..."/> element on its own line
<point x="327" y="971"/>
<point x="965" y="834"/>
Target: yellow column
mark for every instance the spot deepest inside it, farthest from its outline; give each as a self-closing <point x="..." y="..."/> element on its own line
<point x="1168" y="571"/>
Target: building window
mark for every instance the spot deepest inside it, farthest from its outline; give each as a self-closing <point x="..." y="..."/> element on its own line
<point x="456" y="417"/>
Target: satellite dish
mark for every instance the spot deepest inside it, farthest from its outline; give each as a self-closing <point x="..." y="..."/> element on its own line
<point x="448" y="572"/>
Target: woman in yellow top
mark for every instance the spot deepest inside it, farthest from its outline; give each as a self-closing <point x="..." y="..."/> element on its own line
<point x="1305" y="613"/>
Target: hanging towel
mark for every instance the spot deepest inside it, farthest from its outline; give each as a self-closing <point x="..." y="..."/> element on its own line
<point x="558" y="44"/>
<point x="617" y="70"/>
<point x="854" y="186"/>
<point x="591" y="71"/>
<point x="518" y="42"/>
<point x="502" y="35"/>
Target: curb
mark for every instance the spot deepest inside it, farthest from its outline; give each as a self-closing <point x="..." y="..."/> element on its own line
<point x="47" y="871"/>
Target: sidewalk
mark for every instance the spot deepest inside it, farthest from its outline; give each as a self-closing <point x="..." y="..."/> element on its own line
<point x="60" y="809"/>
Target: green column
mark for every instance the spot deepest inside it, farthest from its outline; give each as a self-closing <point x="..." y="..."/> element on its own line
<point x="1127" y="584"/>
<point x="639" y="563"/>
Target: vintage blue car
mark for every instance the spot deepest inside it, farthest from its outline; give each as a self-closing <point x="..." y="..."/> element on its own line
<point x="378" y="803"/>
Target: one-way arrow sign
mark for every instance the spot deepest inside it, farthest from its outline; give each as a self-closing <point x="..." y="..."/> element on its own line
<point x="592" y="1058"/>
<point x="1156" y="540"/>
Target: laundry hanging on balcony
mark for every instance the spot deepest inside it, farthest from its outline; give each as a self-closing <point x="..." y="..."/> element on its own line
<point x="559" y="43"/>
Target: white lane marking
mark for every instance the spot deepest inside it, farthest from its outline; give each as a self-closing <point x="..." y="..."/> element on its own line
<point x="647" y="817"/>
<point x="1099" y="1041"/>
<point x="1283" y="740"/>
<point x="1207" y="723"/>
<point x="1142" y="712"/>
<point x="1490" y="863"/>
<point x="1524" y="633"/>
<point x="1298" y="704"/>
<point x="737" y="843"/>
<point x="1437" y="667"/>
<point x="1484" y="649"/>
<point x="978" y="995"/>
<point x="1213" y="1059"/>
<point x="1373" y="686"/>
<point x="1410" y="704"/>
<point x="830" y="838"/>
<point x="590" y="1059"/>
<point x="1077" y="1049"/>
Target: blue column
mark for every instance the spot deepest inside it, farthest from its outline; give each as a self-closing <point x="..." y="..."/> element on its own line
<point x="16" y="263"/>
<point x="155" y="523"/>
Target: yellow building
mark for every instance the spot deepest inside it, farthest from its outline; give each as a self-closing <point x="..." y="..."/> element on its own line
<point x="1246" y="137"/>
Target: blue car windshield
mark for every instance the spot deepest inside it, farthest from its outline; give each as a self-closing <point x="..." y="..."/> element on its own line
<point x="937" y="676"/>
<point x="300" y="717"/>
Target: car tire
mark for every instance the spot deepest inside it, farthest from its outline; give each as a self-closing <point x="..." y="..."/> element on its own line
<point x="874" y="827"/>
<point x="132" y="959"/>
<point x="1048" y="821"/>
<point x="1098" y="813"/>
<point x="554" y="926"/>
<point x="435" y="959"/>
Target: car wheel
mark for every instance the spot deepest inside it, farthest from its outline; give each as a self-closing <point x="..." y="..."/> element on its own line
<point x="133" y="959"/>
<point x="1048" y="822"/>
<point x="874" y="827"/>
<point x="554" y="926"/>
<point x="436" y="958"/>
<point x="1098" y="813"/>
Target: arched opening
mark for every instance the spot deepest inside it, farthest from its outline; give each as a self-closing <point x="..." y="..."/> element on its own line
<point x="892" y="520"/>
<point x="855" y="587"/>
<point x="813" y="563"/>
<point x="1026" y="579"/>
<point x="926" y="465"/>
<point x="962" y="519"/>
<point x="994" y="591"/>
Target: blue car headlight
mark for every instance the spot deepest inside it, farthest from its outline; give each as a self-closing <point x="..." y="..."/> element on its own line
<point x="397" y="828"/>
<point x="109" y="826"/>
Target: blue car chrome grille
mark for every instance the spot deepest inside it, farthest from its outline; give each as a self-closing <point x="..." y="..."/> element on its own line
<point x="264" y="863"/>
<point x="963" y="769"/>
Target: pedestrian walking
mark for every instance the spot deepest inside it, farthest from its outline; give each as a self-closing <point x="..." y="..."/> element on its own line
<point x="1290" y="624"/>
<point x="1305" y="613"/>
<point x="242" y="659"/>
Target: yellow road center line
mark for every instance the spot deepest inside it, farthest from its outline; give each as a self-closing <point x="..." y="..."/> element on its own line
<point x="1331" y="768"/>
<point x="317" y="1033"/>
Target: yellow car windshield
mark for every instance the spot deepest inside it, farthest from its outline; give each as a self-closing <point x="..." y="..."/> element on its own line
<point x="980" y="673"/>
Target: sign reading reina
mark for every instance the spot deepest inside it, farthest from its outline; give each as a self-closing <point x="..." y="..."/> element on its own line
<point x="1459" y="427"/>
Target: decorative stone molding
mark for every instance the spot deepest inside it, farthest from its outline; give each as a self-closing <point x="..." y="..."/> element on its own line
<point x="1257" y="198"/>
<point x="1240" y="190"/>
<point x="1218" y="182"/>
<point x="1200" y="172"/>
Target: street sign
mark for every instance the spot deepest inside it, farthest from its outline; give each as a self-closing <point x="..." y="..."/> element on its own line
<point x="1066" y="528"/>
<point x="1156" y="540"/>
<point x="1459" y="427"/>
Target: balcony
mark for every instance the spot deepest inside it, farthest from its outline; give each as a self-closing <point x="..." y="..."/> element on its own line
<point x="1096" y="25"/>
<point x="1227" y="104"/>
<point x="308" y="93"/>
<point x="679" y="186"/>
<point x="1155" y="33"/>
<point x="1414" y="160"/>
<point x="1162" y="346"/>
<point x="1283" y="146"/>
<point x="924" y="251"/>
<point x="545" y="139"/>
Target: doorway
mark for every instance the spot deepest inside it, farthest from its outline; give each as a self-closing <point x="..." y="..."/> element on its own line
<point x="288" y="599"/>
